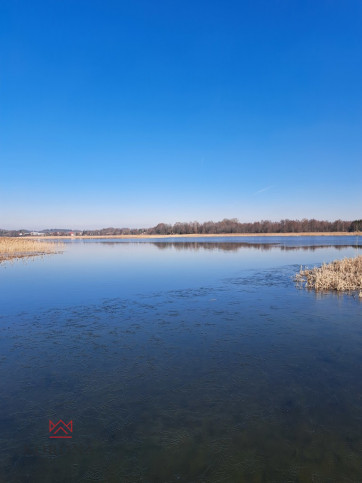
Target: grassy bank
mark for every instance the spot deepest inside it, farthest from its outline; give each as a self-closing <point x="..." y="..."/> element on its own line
<point x="12" y="248"/>
<point x="341" y="275"/>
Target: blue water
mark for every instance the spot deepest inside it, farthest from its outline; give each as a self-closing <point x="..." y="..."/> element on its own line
<point x="183" y="360"/>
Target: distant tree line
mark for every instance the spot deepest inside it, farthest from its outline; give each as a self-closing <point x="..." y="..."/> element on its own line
<point x="356" y="225"/>
<point x="226" y="226"/>
<point x="264" y="226"/>
<point x="233" y="225"/>
<point x="14" y="232"/>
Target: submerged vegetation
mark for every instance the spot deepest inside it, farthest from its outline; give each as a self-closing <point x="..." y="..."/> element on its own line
<point x="341" y="275"/>
<point x="11" y="248"/>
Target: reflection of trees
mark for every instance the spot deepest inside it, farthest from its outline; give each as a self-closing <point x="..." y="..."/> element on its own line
<point x="224" y="246"/>
<point x="234" y="246"/>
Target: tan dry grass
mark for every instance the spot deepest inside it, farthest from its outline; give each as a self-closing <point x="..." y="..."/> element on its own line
<point x="341" y="275"/>
<point x="11" y="248"/>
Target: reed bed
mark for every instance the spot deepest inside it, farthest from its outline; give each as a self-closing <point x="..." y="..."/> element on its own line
<point x="12" y="248"/>
<point x="341" y="275"/>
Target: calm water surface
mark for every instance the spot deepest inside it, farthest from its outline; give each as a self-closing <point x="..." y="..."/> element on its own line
<point x="180" y="361"/>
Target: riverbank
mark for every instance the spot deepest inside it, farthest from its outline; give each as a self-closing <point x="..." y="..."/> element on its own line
<point x="13" y="248"/>
<point x="192" y="235"/>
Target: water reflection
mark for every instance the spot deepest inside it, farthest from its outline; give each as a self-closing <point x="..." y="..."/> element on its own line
<point x="232" y="246"/>
<point x="237" y="246"/>
<point x="232" y="377"/>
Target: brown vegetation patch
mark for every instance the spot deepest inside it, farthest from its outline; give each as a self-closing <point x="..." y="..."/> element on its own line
<point x="341" y="275"/>
<point x="11" y="248"/>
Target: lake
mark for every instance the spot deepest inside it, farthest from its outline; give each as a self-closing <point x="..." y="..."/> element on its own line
<point x="179" y="360"/>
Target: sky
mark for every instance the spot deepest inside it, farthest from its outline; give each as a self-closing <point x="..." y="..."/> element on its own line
<point x="130" y="113"/>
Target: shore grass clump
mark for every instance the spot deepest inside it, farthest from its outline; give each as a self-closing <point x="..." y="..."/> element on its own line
<point x="12" y="248"/>
<point x="341" y="276"/>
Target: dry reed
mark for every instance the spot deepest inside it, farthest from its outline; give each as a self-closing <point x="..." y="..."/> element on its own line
<point x="11" y="248"/>
<point x="341" y="275"/>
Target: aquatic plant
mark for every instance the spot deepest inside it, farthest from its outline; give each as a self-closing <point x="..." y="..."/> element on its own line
<point x="11" y="248"/>
<point x="340" y="275"/>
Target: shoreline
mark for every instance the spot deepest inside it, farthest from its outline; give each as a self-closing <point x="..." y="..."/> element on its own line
<point x="204" y="235"/>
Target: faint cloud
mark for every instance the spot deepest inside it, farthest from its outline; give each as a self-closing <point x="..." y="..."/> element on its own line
<point x="263" y="189"/>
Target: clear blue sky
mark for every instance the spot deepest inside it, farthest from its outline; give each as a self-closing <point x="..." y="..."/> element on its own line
<point x="129" y="113"/>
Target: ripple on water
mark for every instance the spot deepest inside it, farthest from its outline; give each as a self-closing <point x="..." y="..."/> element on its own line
<point x="213" y="384"/>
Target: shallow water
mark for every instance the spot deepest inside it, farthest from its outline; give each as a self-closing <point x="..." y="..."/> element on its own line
<point x="180" y="361"/>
